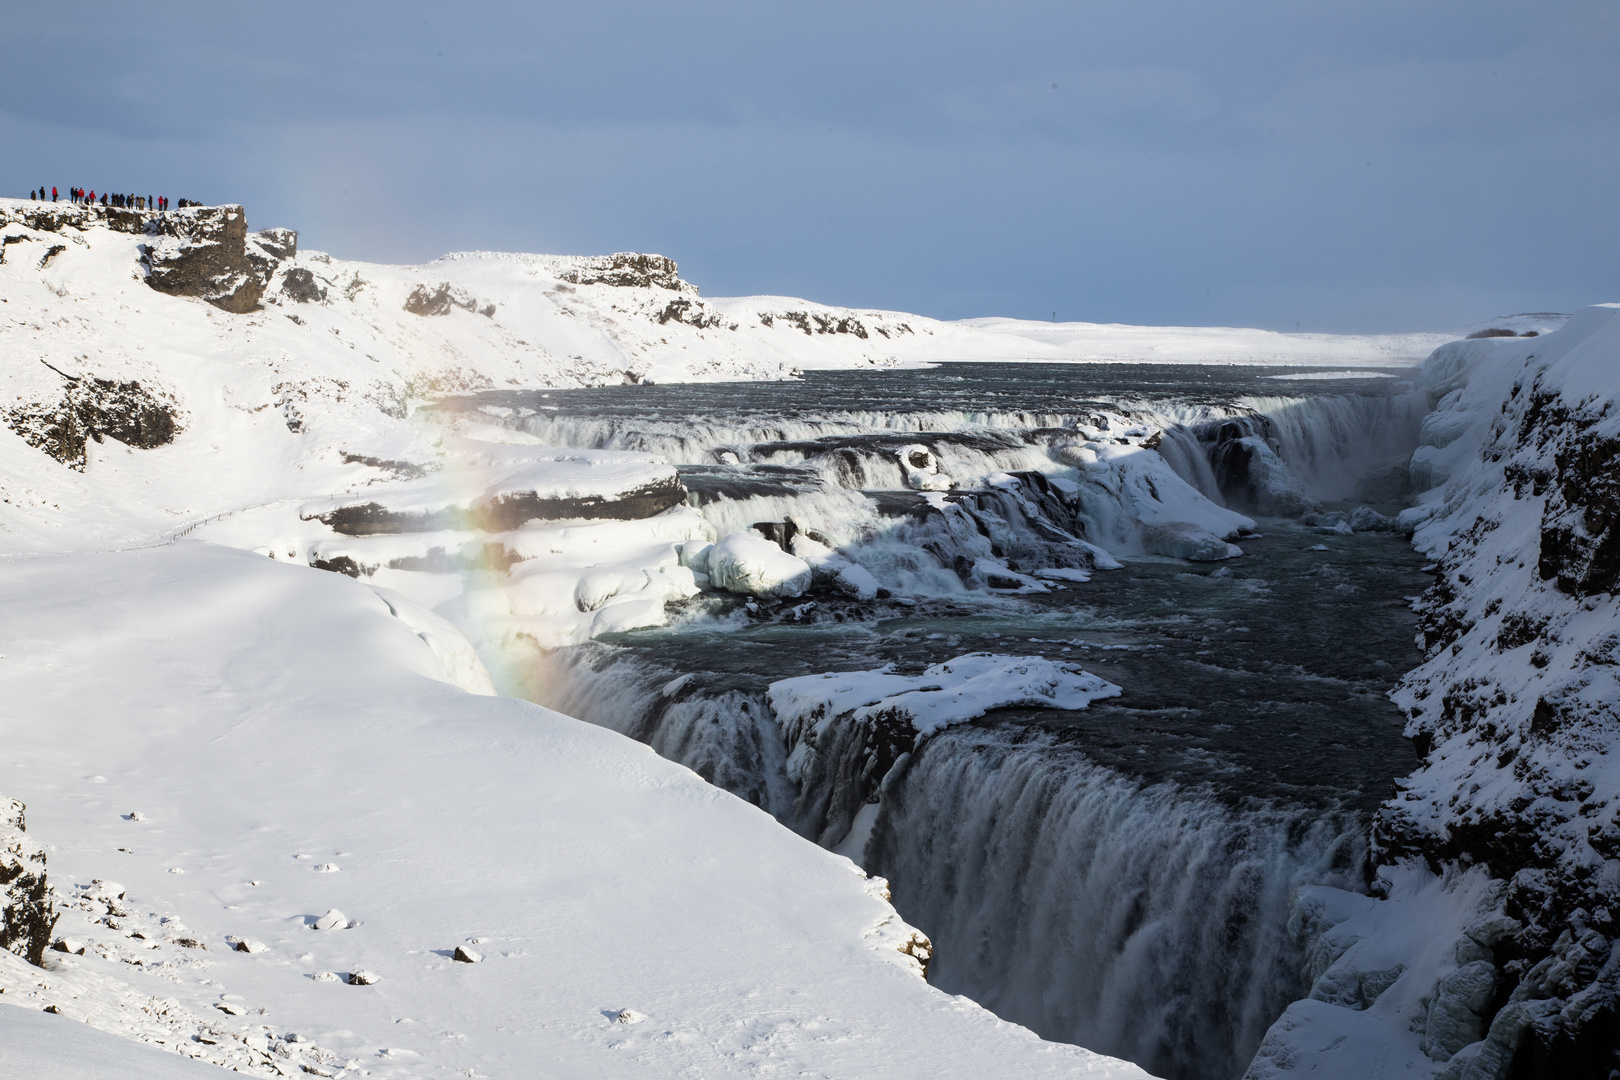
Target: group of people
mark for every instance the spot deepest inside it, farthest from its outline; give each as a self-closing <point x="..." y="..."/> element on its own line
<point x="125" y="202"/>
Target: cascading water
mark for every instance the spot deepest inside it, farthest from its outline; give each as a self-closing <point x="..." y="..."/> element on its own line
<point x="1143" y="921"/>
<point x="1121" y="880"/>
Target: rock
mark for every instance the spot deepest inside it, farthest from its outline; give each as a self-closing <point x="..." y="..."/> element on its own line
<point x="627" y="269"/>
<point x="508" y="512"/>
<point x="1366" y="519"/>
<point x="325" y="976"/>
<point x="327" y="868"/>
<point x="467" y="956"/>
<point x="300" y="286"/>
<point x="921" y="469"/>
<point x="245" y="945"/>
<point x="136" y="815"/>
<point x="95" y="408"/>
<point x="443" y="300"/>
<point x="1183" y="540"/>
<point x="205" y="252"/>
<point x="281" y="243"/>
<point x="69" y="945"/>
<point x="332" y="920"/>
<point x="749" y="564"/>
<point x="361" y="977"/>
<point x="856" y="581"/>
<point x="628" y="1016"/>
<point x="27" y="918"/>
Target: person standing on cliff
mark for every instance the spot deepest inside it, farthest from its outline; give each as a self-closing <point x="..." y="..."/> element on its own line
<point x="53" y="194"/>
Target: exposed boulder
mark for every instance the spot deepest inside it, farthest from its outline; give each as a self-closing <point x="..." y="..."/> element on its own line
<point x="205" y="252"/>
<point x="26" y="915"/>
<point x="300" y="286"/>
<point x="281" y="243"/>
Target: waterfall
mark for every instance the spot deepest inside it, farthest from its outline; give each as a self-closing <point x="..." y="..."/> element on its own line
<point x="1328" y="441"/>
<point x="1144" y="922"/>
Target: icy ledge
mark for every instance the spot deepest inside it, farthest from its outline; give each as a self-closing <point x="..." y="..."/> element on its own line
<point x="847" y="732"/>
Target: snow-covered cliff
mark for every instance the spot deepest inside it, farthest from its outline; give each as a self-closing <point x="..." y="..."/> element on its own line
<point x="1500" y="856"/>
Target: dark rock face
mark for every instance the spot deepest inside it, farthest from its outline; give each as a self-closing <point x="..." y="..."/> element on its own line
<point x="629" y="269"/>
<point x="507" y="513"/>
<point x="26" y="916"/>
<point x="92" y="408"/>
<point x="300" y="286"/>
<point x="206" y="252"/>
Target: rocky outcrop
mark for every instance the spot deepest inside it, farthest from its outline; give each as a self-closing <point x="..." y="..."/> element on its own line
<point x="627" y="269"/>
<point x="26" y="914"/>
<point x="206" y="252"/>
<point x="504" y="513"/>
<point x="300" y="286"/>
<point x="94" y="408"/>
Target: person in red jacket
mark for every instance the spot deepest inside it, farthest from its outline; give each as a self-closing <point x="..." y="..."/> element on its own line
<point x="53" y="193"/>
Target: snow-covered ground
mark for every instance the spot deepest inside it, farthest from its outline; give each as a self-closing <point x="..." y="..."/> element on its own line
<point x="290" y="746"/>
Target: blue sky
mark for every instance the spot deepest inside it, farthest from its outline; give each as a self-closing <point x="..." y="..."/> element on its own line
<point x="1350" y="167"/>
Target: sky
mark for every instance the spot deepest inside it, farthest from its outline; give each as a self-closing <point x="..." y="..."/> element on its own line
<point x="1376" y="166"/>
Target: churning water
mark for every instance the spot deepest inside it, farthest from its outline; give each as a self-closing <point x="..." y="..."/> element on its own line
<point x="1118" y="877"/>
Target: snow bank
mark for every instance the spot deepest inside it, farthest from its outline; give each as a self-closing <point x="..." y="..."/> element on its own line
<point x="749" y="564"/>
<point x="284" y="719"/>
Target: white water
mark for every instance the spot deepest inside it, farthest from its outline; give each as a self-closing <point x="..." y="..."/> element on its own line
<point x="1142" y="922"/>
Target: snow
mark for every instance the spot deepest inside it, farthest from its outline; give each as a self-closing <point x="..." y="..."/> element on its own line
<point x="281" y="711"/>
<point x="40" y="1046"/>
<point x="749" y="564"/>
<point x="949" y="693"/>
